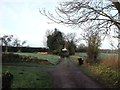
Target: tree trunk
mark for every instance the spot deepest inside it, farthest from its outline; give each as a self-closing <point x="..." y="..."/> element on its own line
<point x="19" y="49"/>
<point x="6" y="48"/>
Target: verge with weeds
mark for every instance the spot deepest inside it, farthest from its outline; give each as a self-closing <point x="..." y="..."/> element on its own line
<point x="107" y="76"/>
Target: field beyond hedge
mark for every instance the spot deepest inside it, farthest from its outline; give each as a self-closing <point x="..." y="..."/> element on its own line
<point x="54" y="59"/>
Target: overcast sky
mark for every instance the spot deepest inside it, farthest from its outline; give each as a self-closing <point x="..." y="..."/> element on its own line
<point x="22" y="19"/>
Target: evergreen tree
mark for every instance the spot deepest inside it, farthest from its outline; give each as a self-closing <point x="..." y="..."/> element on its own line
<point x="55" y="42"/>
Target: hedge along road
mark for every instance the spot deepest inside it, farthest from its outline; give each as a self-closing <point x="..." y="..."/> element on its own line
<point x="67" y="75"/>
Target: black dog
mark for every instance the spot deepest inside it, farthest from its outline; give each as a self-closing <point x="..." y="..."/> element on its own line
<point x="80" y="61"/>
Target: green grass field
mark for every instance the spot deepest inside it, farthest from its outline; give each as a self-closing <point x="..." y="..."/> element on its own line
<point x="51" y="58"/>
<point x="31" y="77"/>
<point x="100" y="56"/>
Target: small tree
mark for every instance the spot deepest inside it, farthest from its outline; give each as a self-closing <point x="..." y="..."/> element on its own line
<point x="71" y="47"/>
<point x="5" y="41"/>
<point x="70" y="43"/>
<point x="93" y="40"/>
<point x="17" y="43"/>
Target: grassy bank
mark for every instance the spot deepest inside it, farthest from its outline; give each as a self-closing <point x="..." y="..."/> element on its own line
<point x="105" y="75"/>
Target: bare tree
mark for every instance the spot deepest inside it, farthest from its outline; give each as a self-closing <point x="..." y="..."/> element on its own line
<point x="5" y="40"/>
<point x="93" y="41"/>
<point x="71" y="37"/>
<point x="20" y="45"/>
<point x="102" y="14"/>
<point x="70" y="42"/>
<point x="17" y="43"/>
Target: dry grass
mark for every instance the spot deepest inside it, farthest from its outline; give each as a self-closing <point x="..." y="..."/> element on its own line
<point x="111" y="61"/>
<point x="43" y="53"/>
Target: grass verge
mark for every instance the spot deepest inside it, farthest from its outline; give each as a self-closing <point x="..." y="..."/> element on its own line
<point x="29" y="77"/>
<point x="103" y="74"/>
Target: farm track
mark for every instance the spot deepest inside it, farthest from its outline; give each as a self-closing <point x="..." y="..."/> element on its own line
<point x="67" y="75"/>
